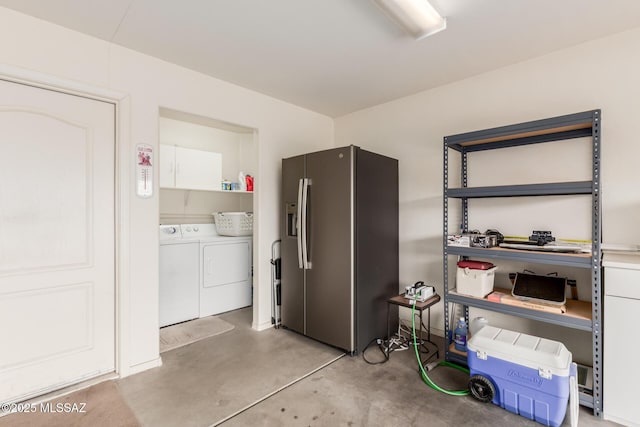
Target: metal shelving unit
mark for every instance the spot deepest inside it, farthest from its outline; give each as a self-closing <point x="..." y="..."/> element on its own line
<point x="579" y="125"/>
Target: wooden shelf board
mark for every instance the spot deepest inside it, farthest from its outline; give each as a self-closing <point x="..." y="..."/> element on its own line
<point x="575" y="308"/>
<point x="452" y="349"/>
<point x="567" y="254"/>
<point x="528" y="134"/>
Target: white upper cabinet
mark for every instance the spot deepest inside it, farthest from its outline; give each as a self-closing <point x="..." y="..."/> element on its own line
<point x="190" y="169"/>
<point x="167" y="166"/>
<point x="198" y="170"/>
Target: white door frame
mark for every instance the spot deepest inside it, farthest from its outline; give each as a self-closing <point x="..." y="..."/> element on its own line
<point x="122" y="190"/>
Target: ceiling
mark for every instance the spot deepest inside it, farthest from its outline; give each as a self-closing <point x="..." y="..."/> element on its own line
<point x="336" y="56"/>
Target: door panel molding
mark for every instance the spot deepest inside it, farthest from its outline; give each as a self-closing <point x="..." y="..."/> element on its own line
<point x="33" y="255"/>
<point x="72" y="300"/>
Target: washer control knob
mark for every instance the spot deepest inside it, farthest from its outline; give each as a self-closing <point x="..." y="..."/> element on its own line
<point x="188" y="229"/>
<point x="171" y="230"/>
<point x="196" y="229"/>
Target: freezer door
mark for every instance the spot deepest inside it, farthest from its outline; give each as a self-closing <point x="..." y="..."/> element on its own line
<point x="329" y="279"/>
<point x="292" y="274"/>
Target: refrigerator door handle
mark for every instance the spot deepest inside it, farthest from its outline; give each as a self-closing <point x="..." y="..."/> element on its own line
<point x="305" y="233"/>
<point x="299" y="222"/>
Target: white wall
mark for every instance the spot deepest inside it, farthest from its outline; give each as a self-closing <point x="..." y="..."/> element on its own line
<point x="599" y="74"/>
<point x="282" y="130"/>
<point x="195" y="207"/>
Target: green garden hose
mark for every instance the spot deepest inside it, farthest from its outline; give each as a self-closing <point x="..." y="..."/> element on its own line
<point x="423" y="373"/>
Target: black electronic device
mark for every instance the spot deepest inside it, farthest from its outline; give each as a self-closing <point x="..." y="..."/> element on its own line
<point x="541" y="237"/>
<point x="544" y="289"/>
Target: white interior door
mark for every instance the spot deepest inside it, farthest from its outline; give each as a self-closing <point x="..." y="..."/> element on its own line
<point x="57" y="282"/>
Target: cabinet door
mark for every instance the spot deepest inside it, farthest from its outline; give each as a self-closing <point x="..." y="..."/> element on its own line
<point x="197" y="169"/>
<point x="621" y="348"/>
<point x="167" y="172"/>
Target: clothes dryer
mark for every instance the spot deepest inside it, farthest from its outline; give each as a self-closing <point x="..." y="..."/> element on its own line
<point x="225" y="269"/>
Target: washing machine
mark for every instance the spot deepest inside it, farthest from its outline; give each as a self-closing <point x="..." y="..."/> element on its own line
<point x="179" y="293"/>
<point x="225" y="269"/>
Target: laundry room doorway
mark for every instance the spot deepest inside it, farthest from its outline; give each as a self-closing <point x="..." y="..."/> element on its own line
<point x="57" y="239"/>
<point x="206" y="173"/>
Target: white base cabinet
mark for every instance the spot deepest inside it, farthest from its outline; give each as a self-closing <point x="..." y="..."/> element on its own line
<point x="621" y="343"/>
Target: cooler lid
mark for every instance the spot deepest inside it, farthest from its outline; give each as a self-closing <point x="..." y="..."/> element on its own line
<point x="527" y="350"/>
<point x="475" y="265"/>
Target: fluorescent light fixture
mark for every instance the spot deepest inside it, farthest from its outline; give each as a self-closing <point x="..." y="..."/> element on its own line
<point x="418" y="17"/>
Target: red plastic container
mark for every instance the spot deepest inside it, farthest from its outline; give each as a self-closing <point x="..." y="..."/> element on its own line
<point x="475" y="265"/>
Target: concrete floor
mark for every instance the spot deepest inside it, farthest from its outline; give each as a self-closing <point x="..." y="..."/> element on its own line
<point x="205" y="382"/>
<point x="216" y="381"/>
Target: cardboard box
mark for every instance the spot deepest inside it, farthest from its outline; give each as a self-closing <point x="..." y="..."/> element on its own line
<point x="459" y="240"/>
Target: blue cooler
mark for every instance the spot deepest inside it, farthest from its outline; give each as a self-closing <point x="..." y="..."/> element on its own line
<point x="526" y="375"/>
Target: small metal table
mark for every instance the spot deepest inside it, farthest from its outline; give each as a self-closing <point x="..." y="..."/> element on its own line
<point x="420" y="307"/>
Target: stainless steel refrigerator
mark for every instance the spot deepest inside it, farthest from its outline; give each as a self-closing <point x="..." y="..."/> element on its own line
<point x="339" y="246"/>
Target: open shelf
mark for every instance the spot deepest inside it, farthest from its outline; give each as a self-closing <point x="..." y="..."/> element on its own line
<point x="577" y="125"/>
<point x="452" y="349"/>
<point x="550" y="189"/>
<point x="580" y="260"/>
<point x="233" y="191"/>
<point x="456" y="356"/>
<point x="208" y="190"/>
<point x="577" y="316"/>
